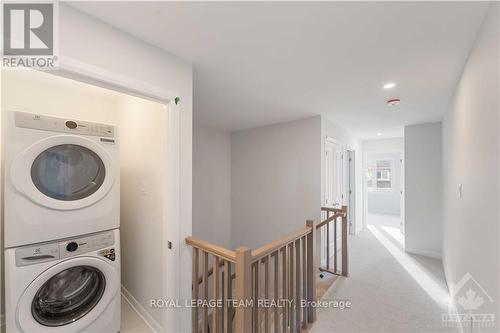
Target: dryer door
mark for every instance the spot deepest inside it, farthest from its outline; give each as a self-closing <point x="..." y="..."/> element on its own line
<point x="69" y="296"/>
<point x="64" y="172"/>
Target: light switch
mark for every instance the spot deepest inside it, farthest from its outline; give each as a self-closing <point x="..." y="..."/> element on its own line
<point x="460" y="190"/>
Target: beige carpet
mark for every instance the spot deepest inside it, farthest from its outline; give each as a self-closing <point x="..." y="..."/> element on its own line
<point x="390" y="290"/>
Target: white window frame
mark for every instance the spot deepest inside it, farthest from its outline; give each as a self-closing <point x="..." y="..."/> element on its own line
<point x="380" y="189"/>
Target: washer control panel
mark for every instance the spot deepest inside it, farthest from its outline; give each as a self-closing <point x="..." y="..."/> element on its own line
<point x="53" y="124"/>
<point x="73" y="247"/>
<point x="35" y="254"/>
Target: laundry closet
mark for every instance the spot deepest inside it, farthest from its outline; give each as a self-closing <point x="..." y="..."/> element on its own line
<point x="140" y="130"/>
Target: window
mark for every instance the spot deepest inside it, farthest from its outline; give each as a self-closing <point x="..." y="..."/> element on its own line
<point x="379" y="175"/>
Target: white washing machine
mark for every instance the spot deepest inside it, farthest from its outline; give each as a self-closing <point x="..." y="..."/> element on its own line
<point x="72" y="285"/>
<point x="61" y="178"/>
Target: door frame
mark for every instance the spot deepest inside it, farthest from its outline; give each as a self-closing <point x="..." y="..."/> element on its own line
<point x="176" y="209"/>
<point x="351" y="162"/>
<point x="365" y="179"/>
<point x="344" y="147"/>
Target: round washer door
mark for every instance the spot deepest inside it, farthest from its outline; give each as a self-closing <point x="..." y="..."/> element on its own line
<point x="64" y="172"/>
<point x="68" y="296"/>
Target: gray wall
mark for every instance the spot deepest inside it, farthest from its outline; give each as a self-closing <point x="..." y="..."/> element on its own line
<point x="275" y="180"/>
<point x="423" y="207"/>
<point x="212" y="185"/>
<point x="471" y="158"/>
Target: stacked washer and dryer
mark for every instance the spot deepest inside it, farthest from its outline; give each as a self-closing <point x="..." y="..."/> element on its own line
<point x="62" y="219"/>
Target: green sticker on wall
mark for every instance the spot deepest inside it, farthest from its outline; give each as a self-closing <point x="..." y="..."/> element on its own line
<point x="177" y="100"/>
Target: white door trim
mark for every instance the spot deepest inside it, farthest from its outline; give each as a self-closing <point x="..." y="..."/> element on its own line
<point x="175" y="230"/>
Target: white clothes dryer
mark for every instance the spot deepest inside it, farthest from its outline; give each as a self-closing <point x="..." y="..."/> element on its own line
<point x="62" y="178"/>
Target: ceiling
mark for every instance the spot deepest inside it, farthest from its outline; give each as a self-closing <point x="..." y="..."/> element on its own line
<point x="258" y="63"/>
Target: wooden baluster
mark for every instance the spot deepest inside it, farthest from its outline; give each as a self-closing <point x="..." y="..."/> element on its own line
<point x="311" y="270"/>
<point x="298" y="285"/>
<point x="304" y="282"/>
<point x="216" y="292"/>
<point x="205" y="291"/>
<point x="194" y="318"/>
<point x="227" y="318"/>
<point x="335" y="248"/>
<point x="267" y="322"/>
<point x="243" y="289"/>
<point x="276" y="291"/>
<point x="292" y="287"/>
<point x="345" y="264"/>
<point x="285" y="288"/>
<point x="256" y="320"/>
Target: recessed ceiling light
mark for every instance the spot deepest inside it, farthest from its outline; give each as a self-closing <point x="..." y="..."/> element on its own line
<point x="379" y="134"/>
<point x="389" y="85"/>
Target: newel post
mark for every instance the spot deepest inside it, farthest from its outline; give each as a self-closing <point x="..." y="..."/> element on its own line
<point x="311" y="271"/>
<point x="345" y="233"/>
<point x="243" y="289"/>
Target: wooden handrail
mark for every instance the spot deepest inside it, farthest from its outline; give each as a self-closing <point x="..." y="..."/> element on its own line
<point x="216" y="250"/>
<point x="332" y="209"/>
<point x="330" y="219"/>
<point x="342" y="212"/>
<point x="277" y="244"/>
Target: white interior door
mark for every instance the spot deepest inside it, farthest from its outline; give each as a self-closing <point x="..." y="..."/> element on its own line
<point x="334" y="189"/>
<point x="334" y="174"/>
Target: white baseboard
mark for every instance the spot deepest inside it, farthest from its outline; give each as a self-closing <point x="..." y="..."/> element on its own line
<point x="424" y="253"/>
<point x="141" y="311"/>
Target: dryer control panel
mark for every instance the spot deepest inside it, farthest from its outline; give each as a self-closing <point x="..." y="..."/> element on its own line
<point x="35" y="254"/>
<point x="53" y="124"/>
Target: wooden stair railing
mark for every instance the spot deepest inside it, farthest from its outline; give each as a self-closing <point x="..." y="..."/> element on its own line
<point x="332" y="218"/>
<point x="247" y="285"/>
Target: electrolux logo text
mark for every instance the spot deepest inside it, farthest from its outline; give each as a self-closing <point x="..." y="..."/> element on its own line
<point x="29" y="35"/>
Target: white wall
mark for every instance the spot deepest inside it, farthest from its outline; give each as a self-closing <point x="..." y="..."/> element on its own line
<point x="275" y="180"/>
<point x="423" y="180"/>
<point x="387" y="201"/>
<point x="44" y="93"/>
<point x="212" y="185"/>
<point x="370" y="147"/>
<point x="471" y="157"/>
<point x="93" y="42"/>
<point x="143" y="145"/>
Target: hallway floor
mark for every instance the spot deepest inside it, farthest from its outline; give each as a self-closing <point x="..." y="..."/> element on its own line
<point x="387" y="220"/>
<point x="390" y="290"/>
